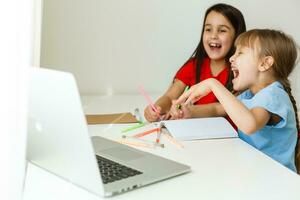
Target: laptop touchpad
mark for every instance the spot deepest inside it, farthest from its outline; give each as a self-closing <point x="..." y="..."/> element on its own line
<point x="122" y="153"/>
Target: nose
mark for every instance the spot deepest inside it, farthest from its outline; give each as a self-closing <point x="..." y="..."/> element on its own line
<point x="231" y="59"/>
<point x="214" y="35"/>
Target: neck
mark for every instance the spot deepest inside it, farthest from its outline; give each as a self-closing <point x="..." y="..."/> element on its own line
<point x="216" y="66"/>
<point x="217" y="63"/>
<point x="261" y="84"/>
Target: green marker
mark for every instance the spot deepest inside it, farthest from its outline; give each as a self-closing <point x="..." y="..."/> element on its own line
<point x="133" y="127"/>
<point x="185" y="89"/>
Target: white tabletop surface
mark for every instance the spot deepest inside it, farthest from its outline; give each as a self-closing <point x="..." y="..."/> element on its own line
<point x="221" y="168"/>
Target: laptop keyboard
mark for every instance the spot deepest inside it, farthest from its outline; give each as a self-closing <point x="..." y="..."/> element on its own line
<point x="111" y="171"/>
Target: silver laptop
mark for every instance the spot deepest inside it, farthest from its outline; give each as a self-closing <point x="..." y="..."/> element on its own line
<point x="59" y="142"/>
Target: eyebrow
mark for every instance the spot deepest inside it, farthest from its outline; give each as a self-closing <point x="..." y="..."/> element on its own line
<point x="222" y="25"/>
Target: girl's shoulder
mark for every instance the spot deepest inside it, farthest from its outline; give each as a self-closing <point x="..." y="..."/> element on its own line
<point x="273" y="94"/>
<point x="274" y="98"/>
<point x="275" y="89"/>
<point x="191" y="62"/>
<point x="188" y="66"/>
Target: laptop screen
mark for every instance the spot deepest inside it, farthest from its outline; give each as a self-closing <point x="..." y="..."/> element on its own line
<point x="58" y="139"/>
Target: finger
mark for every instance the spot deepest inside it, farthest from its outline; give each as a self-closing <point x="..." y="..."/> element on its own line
<point x="176" y="113"/>
<point x="167" y="116"/>
<point x="191" y="99"/>
<point x="172" y="111"/>
<point x="184" y="97"/>
<point x="158" y="108"/>
<point x="148" y="118"/>
<point x="180" y="114"/>
<point x="173" y="116"/>
<point x="181" y="99"/>
<point x="188" y="101"/>
<point x="150" y="115"/>
<point x="186" y="111"/>
<point x="146" y="114"/>
<point x="184" y="108"/>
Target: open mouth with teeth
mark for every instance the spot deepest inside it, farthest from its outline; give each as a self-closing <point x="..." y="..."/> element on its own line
<point x="215" y="45"/>
<point x="235" y="73"/>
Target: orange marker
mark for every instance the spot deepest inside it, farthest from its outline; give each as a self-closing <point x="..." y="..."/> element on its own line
<point x="137" y="144"/>
<point x="147" y="132"/>
<point x="146" y="142"/>
<point x="173" y="140"/>
<point x="158" y="136"/>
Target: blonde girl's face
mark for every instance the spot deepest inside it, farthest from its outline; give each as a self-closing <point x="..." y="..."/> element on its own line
<point x="244" y="64"/>
<point x="218" y="36"/>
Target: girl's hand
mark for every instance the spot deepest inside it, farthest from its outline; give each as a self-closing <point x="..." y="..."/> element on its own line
<point x="179" y="113"/>
<point x="151" y="115"/>
<point x="195" y="93"/>
<point x="166" y="116"/>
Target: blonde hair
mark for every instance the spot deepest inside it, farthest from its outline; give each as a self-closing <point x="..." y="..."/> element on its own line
<point x="283" y="49"/>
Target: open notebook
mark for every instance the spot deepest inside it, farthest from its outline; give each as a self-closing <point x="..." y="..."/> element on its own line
<point x="200" y="128"/>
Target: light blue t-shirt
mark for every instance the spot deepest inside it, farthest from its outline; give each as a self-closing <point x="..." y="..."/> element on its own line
<point x="277" y="141"/>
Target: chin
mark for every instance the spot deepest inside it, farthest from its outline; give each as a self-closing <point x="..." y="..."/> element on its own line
<point x="236" y="87"/>
<point x="239" y="88"/>
<point x="215" y="56"/>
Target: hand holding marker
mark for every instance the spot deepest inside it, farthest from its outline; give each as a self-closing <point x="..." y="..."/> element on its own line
<point x="148" y="99"/>
<point x="185" y="89"/>
<point x="137" y="137"/>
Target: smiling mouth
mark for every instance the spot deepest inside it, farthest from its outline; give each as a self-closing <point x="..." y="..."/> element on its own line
<point x="215" y="45"/>
<point x="235" y="72"/>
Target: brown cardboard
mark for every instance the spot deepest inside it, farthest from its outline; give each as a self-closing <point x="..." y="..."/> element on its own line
<point x="117" y="118"/>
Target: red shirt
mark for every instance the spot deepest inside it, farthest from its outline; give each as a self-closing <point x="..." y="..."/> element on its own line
<point x="187" y="75"/>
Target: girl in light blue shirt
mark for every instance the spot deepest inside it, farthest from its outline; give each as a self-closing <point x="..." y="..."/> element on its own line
<point x="265" y="112"/>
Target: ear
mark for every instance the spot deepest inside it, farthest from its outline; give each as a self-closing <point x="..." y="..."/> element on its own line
<point x="266" y="64"/>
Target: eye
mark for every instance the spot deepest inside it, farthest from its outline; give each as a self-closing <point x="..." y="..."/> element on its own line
<point x="223" y="30"/>
<point x="238" y="52"/>
<point x="207" y="29"/>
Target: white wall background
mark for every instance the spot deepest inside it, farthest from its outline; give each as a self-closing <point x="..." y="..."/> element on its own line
<point x="16" y="57"/>
<point x="112" y="46"/>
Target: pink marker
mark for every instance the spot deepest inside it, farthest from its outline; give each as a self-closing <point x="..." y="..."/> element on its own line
<point x="147" y="97"/>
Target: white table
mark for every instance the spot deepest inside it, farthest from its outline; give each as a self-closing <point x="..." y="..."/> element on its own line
<point x="221" y="168"/>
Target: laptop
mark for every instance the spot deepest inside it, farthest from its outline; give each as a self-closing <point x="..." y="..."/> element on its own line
<point x="59" y="142"/>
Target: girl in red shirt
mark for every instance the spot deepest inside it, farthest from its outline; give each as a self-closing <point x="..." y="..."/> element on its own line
<point x="222" y="24"/>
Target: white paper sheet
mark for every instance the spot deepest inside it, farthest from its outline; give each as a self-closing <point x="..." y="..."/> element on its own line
<point x="200" y="128"/>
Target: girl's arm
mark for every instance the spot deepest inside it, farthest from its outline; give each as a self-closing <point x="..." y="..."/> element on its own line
<point x="207" y="110"/>
<point x="248" y="121"/>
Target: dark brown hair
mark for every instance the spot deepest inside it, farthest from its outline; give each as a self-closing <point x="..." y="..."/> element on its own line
<point x="236" y="18"/>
